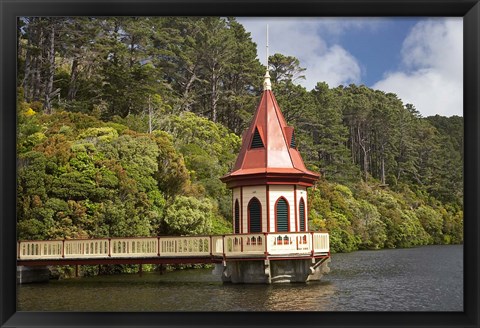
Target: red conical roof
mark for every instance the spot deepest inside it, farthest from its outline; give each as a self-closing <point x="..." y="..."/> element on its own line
<point x="277" y="162"/>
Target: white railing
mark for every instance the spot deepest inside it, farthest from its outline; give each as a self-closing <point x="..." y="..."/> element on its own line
<point x="40" y="249"/>
<point x="185" y="246"/>
<point x="225" y="246"/>
<point x="321" y="242"/>
<point x="134" y="247"/>
<point x="86" y="248"/>
<point x="286" y="243"/>
<point x="251" y="244"/>
<point x="217" y="246"/>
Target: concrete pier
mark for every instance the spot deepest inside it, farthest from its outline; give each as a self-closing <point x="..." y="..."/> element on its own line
<point x="26" y="275"/>
<point x="272" y="271"/>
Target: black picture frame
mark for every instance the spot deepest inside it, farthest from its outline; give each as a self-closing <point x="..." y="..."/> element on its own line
<point x="10" y="9"/>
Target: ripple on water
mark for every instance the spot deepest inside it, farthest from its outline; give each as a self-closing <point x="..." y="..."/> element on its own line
<point x="419" y="279"/>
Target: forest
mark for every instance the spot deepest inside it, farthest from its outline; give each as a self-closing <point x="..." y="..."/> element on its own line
<point x="125" y="124"/>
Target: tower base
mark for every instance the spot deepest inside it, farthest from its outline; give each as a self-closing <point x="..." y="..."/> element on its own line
<point x="272" y="271"/>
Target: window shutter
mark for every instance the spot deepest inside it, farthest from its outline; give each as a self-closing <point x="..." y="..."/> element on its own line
<point x="292" y="142"/>
<point x="302" y="215"/>
<point x="237" y="217"/>
<point x="282" y="215"/>
<point x="255" y="212"/>
<point x="257" y="140"/>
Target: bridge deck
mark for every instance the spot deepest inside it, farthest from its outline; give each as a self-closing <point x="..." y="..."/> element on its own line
<point x="173" y="250"/>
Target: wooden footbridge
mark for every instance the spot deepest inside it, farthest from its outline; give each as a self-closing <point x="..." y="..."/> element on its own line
<point x="174" y="250"/>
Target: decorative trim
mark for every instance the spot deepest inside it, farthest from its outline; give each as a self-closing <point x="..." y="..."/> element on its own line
<point x="305" y="180"/>
<point x="304" y="215"/>
<point x="306" y="211"/>
<point x="235" y="214"/>
<point x="241" y="210"/>
<point x="268" y="207"/>
<point x="296" y="206"/>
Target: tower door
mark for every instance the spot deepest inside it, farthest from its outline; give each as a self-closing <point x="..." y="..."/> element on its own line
<point x="254" y="216"/>
<point x="282" y="215"/>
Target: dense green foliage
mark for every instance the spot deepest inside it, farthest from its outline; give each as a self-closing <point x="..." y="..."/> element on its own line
<point x="82" y="177"/>
<point x="126" y="124"/>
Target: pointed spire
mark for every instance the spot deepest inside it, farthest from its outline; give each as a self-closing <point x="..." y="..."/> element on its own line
<point x="269" y="154"/>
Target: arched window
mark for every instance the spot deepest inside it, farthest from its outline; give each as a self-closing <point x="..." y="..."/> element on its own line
<point x="237" y="217"/>
<point x="302" y="214"/>
<point x="281" y="211"/>
<point x="254" y="215"/>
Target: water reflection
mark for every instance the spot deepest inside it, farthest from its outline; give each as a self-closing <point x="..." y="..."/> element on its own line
<point x="314" y="296"/>
<point x="420" y="279"/>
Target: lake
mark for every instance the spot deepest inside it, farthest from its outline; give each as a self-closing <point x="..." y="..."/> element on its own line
<point x="428" y="278"/>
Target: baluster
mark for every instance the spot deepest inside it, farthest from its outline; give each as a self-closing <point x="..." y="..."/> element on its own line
<point x="223" y="246"/>
<point x="266" y="243"/>
<point x="312" y="243"/>
<point x="210" y="246"/>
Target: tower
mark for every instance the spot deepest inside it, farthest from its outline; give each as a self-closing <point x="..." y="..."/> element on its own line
<point x="269" y="180"/>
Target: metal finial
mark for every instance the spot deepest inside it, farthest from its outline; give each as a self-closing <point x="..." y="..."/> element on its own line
<point x="267" y="48"/>
<point x="267" y="85"/>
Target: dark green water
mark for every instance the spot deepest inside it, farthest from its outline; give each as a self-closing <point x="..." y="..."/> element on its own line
<point x="427" y="278"/>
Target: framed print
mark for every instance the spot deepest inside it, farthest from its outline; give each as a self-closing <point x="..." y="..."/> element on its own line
<point x="106" y="180"/>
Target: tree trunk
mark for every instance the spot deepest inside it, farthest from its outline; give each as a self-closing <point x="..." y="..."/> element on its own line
<point x="37" y="77"/>
<point x="383" y="170"/>
<point x="363" y="145"/>
<point x="50" y="69"/>
<point x="214" y="98"/>
<point x="33" y="56"/>
<point x="27" y="95"/>
<point x="150" y="114"/>
<point x="382" y="163"/>
<point x="365" y="164"/>
<point x="72" y="87"/>
<point x="186" y="92"/>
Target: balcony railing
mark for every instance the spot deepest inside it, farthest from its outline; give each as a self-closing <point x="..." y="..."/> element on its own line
<point x="288" y="244"/>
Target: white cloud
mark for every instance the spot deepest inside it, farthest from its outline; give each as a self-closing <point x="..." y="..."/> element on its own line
<point x="335" y="66"/>
<point x="300" y="37"/>
<point x="431" y="76"/>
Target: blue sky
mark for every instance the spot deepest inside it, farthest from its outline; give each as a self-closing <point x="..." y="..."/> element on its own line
<point x="419" y="59"/>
